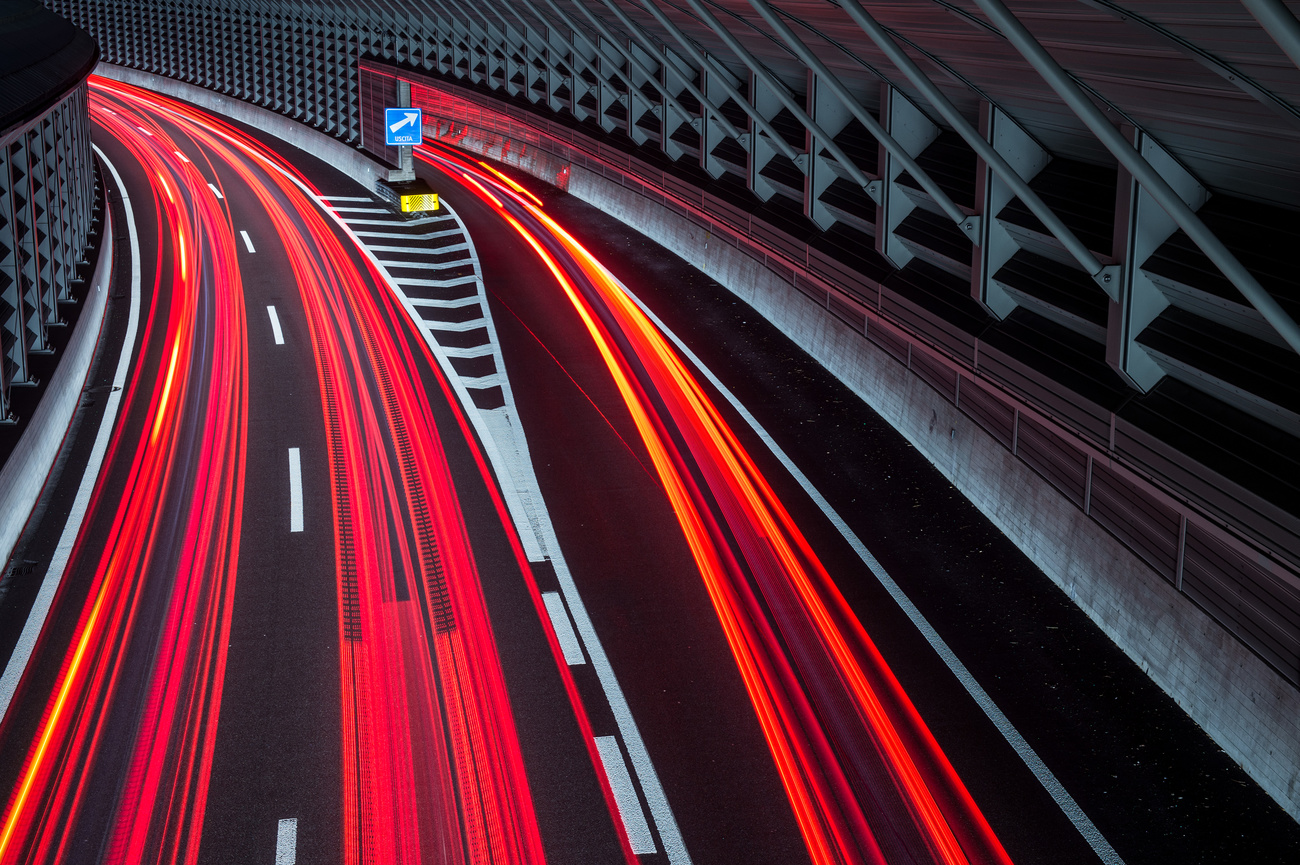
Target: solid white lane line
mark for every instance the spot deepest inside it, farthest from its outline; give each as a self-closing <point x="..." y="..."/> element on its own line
<point x="181" y="156"/>
<point x="286" y="842"/>
<point x="563" y="629"/>
<point x="433" y="283"/>
<point x="629" y="807"/>
<point x="26" y="644"/>
<point x="275" y="325"/>
<point x="215" y="191"/>
<point x="426" y="265"/>
<point x="456" y="326"/>
<point x="295" y="490"/>
<point x="248" y="241"/>
<point x="1045" y="776"/>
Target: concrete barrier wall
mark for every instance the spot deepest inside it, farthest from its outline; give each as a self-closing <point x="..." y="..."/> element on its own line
<point x="25" y="472"/>
<point x="331" y="151"/>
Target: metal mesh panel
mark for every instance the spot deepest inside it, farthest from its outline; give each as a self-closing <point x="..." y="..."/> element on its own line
<point x="46" y="204"/>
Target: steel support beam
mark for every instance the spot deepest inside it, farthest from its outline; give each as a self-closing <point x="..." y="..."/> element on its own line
<point x="720" y="76"/>
<point x="832" y="115"/>
<point x="995" y="246"/>
<point x="912" y="132"/>
<point x="675" y="70"/>
<point x="788" y="101"/>
<point x="891" y="146"/>
<point x="1141" y="226"/>
<point x="983" y="147"/>
<point x="1159" y="189"/>
<point x="1278" y="22"/>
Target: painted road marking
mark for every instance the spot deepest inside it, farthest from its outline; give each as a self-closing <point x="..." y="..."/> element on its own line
<point x="286" y="842"/>
<point x="563" y="628"/>
<point x="275" y="325"/>
<point x="181" y="156"/>
<point x="345" y="198"/>
<point x="248" y="241"/>
<point x="295" y="490"/>
<point x="215" y="191"/>
<point x="629" y="807"/>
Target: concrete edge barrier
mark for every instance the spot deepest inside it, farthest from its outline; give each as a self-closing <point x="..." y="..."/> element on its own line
<point x="324" y="147"/>
<point x="25" y="472"/>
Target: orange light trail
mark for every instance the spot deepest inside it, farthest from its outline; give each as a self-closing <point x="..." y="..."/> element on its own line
<point x="812" y="673"/>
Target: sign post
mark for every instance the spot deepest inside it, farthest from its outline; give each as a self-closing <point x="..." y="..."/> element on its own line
<point x="403" y="129"/>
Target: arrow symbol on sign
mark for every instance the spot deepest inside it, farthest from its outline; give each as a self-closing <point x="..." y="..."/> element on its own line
<point x="408" y="119"/>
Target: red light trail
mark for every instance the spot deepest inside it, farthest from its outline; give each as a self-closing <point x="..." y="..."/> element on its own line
<point x="161" y="588"/>
<point x="432" y="767"/>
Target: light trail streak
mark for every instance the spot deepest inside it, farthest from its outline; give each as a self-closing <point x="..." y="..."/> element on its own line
<point x="865" y="778"/>
<point x="133" y="707"/>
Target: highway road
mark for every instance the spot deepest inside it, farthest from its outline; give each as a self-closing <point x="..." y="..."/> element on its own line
<point x="424" y="540"/>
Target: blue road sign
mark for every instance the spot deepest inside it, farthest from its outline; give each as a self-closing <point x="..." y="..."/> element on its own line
<point x="402" y="126"/>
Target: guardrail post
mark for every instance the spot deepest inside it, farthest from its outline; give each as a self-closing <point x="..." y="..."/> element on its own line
<point x="1141" y="226"/>
<point x="913" y="131"/>
<point x="996" y="245"/>
<point x="832" y="115"/>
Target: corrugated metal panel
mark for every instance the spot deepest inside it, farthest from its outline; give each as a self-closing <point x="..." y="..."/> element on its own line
<point x="1258" y="606"/>
<point x="1062" y="464"/>
<point x="1141" y="523"/>
<point x="996" y="417"/>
